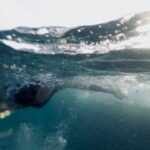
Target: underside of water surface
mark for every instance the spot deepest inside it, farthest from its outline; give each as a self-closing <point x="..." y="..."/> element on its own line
<point x="98" y="79"/>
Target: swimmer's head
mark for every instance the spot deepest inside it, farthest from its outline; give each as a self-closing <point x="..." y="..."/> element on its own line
<point x="33" y="94"/>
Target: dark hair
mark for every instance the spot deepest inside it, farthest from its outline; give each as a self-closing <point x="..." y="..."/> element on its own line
<point x="26" y="94"/>
<point x="34" y="94"/>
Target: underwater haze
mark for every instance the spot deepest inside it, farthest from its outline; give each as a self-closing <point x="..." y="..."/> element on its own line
<point x="105" y="73"/>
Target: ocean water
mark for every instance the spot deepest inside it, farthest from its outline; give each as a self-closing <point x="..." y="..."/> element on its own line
<point x="103" y="77"/>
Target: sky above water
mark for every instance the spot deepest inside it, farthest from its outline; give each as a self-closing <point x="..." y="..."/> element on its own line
<point x="35" y="13"/>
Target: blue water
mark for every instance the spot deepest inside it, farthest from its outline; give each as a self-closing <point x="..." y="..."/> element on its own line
<point x="105" y="100"/>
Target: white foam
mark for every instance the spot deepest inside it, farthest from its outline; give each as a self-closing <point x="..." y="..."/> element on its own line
<point x="42" y="31"/>
<point x="21" y="46"/>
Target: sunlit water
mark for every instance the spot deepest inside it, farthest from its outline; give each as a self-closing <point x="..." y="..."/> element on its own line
<point x="105" y="69"/>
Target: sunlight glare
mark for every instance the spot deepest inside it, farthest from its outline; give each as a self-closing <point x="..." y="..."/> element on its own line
<point x="37" y="13"/>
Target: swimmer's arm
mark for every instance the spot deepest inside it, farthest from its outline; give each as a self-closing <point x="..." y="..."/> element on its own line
<point x="91" y="87"/>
